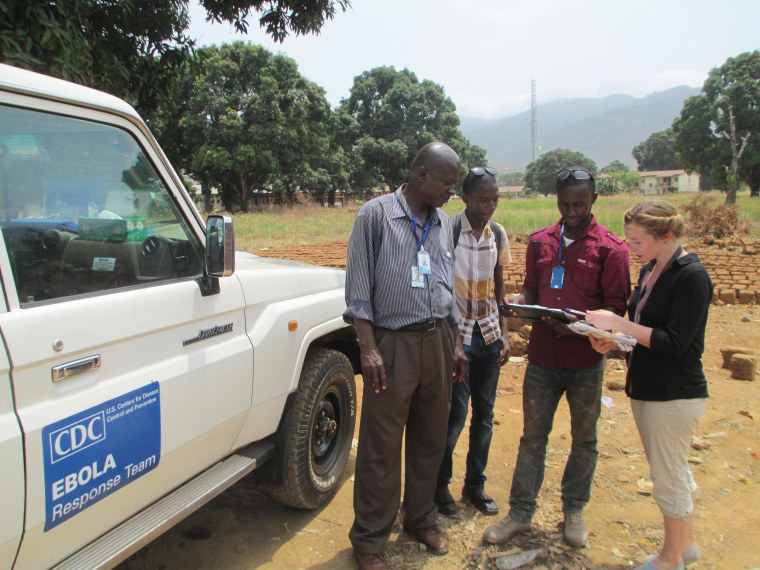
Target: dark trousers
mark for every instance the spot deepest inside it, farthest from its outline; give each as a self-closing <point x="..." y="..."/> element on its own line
<point x="418" y="366"/>
<point x="542" y="390"/>
<point x="480" y="385"/>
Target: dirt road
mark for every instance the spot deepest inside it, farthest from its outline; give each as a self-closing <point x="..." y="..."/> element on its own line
<point x="243" y="528"/>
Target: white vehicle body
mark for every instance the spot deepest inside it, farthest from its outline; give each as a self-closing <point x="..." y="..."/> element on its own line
<point x="150" y="383"/>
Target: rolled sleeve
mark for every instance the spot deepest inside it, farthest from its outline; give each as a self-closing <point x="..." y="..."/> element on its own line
<point x="454" y="317"/>
<point x="505" y="255"/>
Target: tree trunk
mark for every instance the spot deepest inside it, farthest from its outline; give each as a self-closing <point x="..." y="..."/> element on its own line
<point x="754" y="191"/>
<point x="206" y="193"/>
<point x="737" y="152"/>
<point x="389" y="182"/>
<point x="731" y="186"/>
<point x="243" y="194"/>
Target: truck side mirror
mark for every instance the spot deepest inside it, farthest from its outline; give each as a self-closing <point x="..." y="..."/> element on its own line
<point x="220" y="253"/>
<point x="220" y="246"/>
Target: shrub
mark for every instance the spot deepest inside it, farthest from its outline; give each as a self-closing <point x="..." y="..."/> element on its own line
<point x="720" y="221"/>
<point x="608" y="187"/>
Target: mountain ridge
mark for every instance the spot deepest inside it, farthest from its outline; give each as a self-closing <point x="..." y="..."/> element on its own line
<point x="604" y="129"/>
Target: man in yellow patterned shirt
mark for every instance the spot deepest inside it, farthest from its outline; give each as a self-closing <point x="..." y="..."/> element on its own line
<point x="481" y="251"/>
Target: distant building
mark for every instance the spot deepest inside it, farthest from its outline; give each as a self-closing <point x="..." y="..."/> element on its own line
<point x="657" y="182"/>
<point x="507" y="191"/>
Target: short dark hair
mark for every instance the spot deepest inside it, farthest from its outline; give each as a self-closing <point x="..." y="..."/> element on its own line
<point x="472" y="181"/>
<point x="573" y="181"/>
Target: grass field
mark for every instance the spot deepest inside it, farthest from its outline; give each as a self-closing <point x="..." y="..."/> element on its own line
<point x="300" y="225"/>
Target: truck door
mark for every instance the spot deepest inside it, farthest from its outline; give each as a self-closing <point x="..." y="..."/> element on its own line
<point x="12" y="471"/>
<point x="127" y="381"/>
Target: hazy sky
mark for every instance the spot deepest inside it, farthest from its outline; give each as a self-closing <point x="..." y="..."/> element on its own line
<point x="486" y="52"/>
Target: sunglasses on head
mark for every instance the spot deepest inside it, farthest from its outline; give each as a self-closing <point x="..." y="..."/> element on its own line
<point x="481" y="170"/>
<point x="576" y="173"/>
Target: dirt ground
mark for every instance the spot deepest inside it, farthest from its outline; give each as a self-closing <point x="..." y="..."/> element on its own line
<point x="243" y="528"/>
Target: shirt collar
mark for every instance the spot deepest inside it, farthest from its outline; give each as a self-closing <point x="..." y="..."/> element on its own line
<point x="399" y="211"/>
<point x="467" y="226"/>
<point x="591" y="230"/>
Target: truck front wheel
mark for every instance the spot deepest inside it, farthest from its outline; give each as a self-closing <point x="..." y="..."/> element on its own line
<point x="320" y="430"/>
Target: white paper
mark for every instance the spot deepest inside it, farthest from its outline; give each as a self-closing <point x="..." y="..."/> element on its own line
<point x="623" y="341"/>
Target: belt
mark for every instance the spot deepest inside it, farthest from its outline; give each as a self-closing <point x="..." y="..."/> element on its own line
<point x="422" y="326"/>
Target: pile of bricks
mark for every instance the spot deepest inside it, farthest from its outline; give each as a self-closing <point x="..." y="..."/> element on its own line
<point x="734" y="266"/>
<point x="735" y="271"/>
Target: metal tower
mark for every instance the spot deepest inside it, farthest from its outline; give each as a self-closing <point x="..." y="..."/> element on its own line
<point x="533" y="126"/>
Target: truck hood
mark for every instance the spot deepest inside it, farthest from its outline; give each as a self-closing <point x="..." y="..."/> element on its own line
<point x="265" y="278"/>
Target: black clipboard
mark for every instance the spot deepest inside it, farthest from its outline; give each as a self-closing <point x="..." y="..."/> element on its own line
<point x="535" y="312"/>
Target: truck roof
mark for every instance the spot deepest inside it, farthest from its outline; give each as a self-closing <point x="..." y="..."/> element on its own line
<point x="28" y="82"/>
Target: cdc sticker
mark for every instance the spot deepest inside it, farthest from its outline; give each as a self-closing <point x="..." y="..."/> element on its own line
<point x="93" y="453"/>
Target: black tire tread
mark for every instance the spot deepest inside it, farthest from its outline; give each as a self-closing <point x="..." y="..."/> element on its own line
<point x="296" y="490"/>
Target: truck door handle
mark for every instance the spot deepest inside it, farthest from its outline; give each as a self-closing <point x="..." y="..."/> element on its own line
<point x="63" y="371"/>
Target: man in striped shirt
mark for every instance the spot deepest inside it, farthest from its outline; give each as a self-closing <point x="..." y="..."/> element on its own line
<point x="482" y="250"/>
<point x="399" y="297"/>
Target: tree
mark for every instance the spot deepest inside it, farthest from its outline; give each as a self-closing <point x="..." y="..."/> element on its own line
<point x="135" y="50"/>
<point x="718" y="132"/>
<point x="615" y="166"/>
<point x="657" y="152"/>
<point x="511" y="179"/>
<point x="541" y="174"/>
<point x="391" y="115"/>
<point x="253" y="122"/>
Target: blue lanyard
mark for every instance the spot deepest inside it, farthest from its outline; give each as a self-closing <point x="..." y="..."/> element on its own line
<point x="420" y="244"/>
<point x="561" y="241"/>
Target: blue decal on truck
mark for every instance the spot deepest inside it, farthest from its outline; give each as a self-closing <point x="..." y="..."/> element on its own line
<point x="95" y="452"/>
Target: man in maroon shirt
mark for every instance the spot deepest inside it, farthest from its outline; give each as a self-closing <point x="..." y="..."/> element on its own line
<point x="577" y="263"/>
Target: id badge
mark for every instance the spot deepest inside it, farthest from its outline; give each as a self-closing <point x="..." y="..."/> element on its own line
<point x="558" y="276"/>
<point x="418" y="279"/>
<point x="423" y="261"/>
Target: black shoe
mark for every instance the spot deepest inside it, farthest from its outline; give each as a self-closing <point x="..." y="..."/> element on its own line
<point x="445" y="502"/>
<point x="481" y="501"/>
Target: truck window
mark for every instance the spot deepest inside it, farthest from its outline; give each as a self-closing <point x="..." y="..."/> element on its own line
<point x="82" y="210"/>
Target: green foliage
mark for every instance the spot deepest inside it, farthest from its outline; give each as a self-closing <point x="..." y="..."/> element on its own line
<point x="607" y="187"/>
<point x="617" y="182"/>
<point x="626" y="179"/>
<point x="615" y="166"/>
<point x="278" y="16"/>
<point x="541" y="174"/>
<point x="253" y="122"/>
<point x="135" y="50"/>
<point x="720" y="221"/>
<point x="657" y="152"/>
<point x="131" y="49"/>
<point x="511" y="179"/>
<point x="389" y="116"/>
<point x="708" y="140"/>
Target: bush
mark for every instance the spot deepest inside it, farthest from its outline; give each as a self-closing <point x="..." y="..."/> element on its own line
<point x="608" y="187"/>
<point x="720" y="221"/>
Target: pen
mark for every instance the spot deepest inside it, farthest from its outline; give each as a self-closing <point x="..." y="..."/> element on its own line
<point x="576" y="313"/>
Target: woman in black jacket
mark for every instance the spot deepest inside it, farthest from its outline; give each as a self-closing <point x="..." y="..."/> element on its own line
<point x="665" y="381"/>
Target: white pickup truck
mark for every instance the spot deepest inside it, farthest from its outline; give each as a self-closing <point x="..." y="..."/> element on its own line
<point x="145" y="365"/>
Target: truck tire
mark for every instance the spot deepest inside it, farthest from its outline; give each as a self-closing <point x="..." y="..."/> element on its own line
<point x="320" y="429"/>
